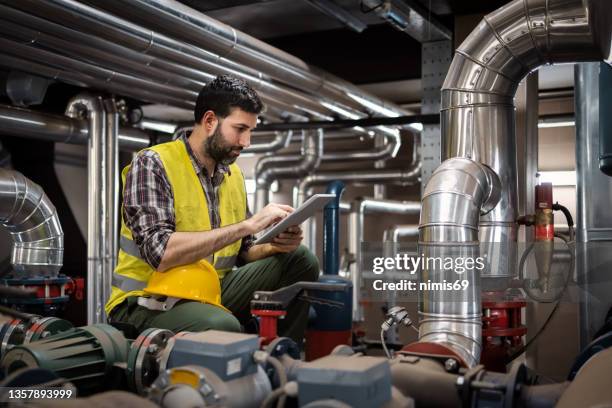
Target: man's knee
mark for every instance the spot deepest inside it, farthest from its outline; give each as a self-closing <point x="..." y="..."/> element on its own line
<point x="196" y="316"/>
<point x="224" y="322"/>
<point x="308" y="262"/>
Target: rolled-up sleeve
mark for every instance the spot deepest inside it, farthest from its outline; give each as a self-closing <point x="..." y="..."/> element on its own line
<point x="148" y="206"/>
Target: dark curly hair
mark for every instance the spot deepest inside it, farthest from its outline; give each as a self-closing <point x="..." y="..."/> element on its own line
<point x="224" y="93"/>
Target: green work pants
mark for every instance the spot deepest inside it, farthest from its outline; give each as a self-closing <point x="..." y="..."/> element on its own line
<point x="237" y="289"/>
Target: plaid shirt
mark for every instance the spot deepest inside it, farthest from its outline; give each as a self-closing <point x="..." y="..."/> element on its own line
<point x="148" y="203"/>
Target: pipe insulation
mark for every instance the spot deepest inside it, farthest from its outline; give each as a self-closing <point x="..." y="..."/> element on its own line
<point x="477" y="123"/>
<point x="477" y="105"/>
<point x="459" y="191"/>
<point x="31" y="219"/>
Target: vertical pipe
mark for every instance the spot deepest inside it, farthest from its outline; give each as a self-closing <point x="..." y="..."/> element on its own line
<point x="91" y="107"/>
<point x="380" y="190"/>
<point x="331" y="237"/>
<point x="111" y="197"/>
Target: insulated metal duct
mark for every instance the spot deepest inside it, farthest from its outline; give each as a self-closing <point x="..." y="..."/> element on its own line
<point x="30" y="217"/>
<point x="458" y="193"/>
<point x="477" y="121"/>
<point x="477" y="107"/>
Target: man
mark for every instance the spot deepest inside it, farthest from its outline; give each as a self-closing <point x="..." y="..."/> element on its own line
<point x="185" y="201"/>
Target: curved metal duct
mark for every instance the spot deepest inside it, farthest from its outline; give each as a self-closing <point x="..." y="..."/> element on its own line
<point x="265" y="173"/>
<point x="459" y="191"/>
<point x="30" y="217"/>
<point x="477" y="120"/>
<point x="477" y="107"/>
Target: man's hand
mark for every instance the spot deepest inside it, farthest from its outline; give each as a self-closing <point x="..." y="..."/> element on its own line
<point x="287" y="241"/>
<point x="269" y="215"/>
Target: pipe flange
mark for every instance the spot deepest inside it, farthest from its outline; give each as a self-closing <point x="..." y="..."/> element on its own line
<point x="44" y="327"/>
<point x="143" y="358"/>
<point x="281" y="346"/>
<point x="11" y="333"/>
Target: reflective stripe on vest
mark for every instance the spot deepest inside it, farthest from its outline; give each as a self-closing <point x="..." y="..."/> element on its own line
<point x="127" y="284"/>
<point x="129" y="247"/>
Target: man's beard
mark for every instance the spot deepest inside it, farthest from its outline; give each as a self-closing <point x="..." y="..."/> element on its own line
<point x="215" y="147"/>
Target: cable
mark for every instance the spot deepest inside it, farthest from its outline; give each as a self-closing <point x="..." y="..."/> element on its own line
<point x="282" y="378"/>
<point x="279" y="394"/>
<point x="384" y="344"/>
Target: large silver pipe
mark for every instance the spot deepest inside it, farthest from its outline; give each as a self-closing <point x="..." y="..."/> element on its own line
<point x="118" y="43"/>
<point x="359" y="208"/>
<point x="459" y="191"/>
<point x="312" y="151"/>
<point x="93" y="110"/>
<point x="477" y="122"/>
<point x="477" y="107"/>
<point x="37" y="61"/>
<point x="138" y="63"/>
<point x="39" y="125"/>
<point x="185" y="23"/>
<point x="31" y="219"/>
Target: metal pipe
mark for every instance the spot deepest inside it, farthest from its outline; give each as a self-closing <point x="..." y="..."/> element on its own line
<point x="364" y="176"/>
<point x="459" y="191"/>
<point x="27" y="123"/>
<point x="192" y="26"/>
<point x="394" y="234"/>
<point x="110" y="163"/>
<point x="93" y="109"/>
<point x="108" y="49"/>
<point x="477" y="122"/>
<point x="31" y="219"/>
<point x="280" y="141"/>
<point x="477" y="108"/>
<point x="359" y="209"/>
<point x="331" y="237"/>
<point x="45" y="63"/>
<point x="391" y="239"/>
<point x="312" y="151"/>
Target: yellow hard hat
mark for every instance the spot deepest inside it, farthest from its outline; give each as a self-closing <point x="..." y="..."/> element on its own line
<point x="198" y="281"/>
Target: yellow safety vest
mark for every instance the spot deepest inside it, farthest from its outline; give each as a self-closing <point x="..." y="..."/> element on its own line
<point x="191" y="213"/>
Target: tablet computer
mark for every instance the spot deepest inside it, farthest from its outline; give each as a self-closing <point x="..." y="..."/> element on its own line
<point x="301" y="214"/>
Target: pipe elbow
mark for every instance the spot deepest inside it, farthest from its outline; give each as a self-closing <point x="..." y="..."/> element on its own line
<point x="83" y="103"/>
<point x="31" y="219"/>
<point x="469" y="188"/>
